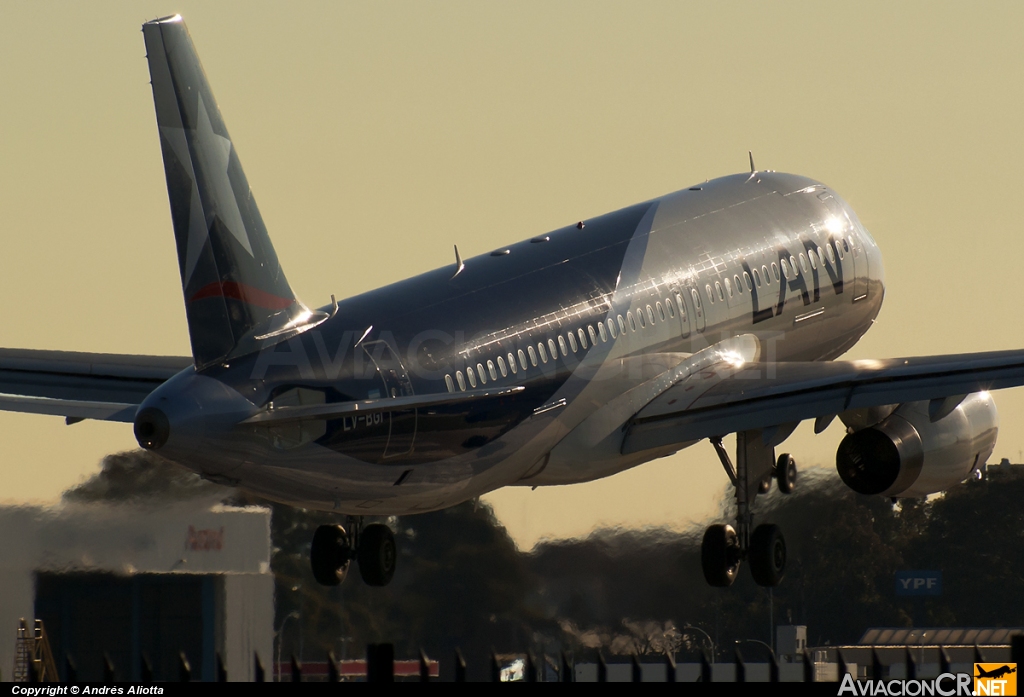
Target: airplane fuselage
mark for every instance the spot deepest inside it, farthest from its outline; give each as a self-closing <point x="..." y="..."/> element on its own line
<point x="578" y="317"/>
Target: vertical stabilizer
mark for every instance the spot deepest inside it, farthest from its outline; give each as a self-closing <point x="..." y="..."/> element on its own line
<point x="233" y="284"/>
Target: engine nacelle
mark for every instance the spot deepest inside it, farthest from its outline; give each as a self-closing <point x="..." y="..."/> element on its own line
<point x="907" y="455"/>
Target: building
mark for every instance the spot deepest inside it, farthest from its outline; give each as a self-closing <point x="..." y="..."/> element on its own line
<point x="140" y="583"/>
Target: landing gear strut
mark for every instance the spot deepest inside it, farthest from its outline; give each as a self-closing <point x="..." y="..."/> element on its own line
<point x="334" y="548"/>
<point x="724" y="547"/>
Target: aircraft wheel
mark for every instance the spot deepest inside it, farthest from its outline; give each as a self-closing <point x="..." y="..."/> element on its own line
<point x="767" y="555"/>
<point x="785" y="472"/>
<point x="376" y="554"/>
<point x="720" y="555"/>
<point x="765" y="485"/>
<point x="330" y="555"/>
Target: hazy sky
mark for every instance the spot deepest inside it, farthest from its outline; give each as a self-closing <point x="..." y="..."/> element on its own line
<point x="376" y="135"/>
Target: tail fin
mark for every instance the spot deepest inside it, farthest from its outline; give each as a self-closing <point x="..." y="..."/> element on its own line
<point x="235" y="291"/>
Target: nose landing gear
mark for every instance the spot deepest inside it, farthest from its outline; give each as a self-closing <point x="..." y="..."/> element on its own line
<point x="724" y="548"/>
<point x="334" y="548"/>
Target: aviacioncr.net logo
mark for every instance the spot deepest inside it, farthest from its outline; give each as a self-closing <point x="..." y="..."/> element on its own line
<point x="945" y="685"/>
<point x="995" y="678"/>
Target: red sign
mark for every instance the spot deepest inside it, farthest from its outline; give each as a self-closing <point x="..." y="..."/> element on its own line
<point x="206" y="540"/>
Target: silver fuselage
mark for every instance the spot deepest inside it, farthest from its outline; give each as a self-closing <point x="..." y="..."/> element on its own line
<point x="705" y="264"/>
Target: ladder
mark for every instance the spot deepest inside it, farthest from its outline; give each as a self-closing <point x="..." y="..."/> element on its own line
<point x="33" y="659"/>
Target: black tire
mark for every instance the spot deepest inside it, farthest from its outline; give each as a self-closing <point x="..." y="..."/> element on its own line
<point x="765" y="485"/>
<point x="785" y="473"/>
<point x="377" y="554"/>
<point x="330" y="554"/>
<point x="767" y="555"/>
<point x="720" y="555"/>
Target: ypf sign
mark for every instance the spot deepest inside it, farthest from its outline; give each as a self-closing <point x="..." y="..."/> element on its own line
<point x="918" y="583"/>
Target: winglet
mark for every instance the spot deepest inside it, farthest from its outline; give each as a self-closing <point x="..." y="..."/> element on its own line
<point x="459" y="264"/>
<point x="750" y="154"/>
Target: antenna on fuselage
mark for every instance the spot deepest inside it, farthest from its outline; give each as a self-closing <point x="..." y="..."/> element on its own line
<point x="750" y="154"/>
<point x="459" y="264"/>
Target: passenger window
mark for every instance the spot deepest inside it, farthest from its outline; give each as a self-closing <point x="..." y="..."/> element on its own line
<point x="650" y="314"/>
<point x="775" y="271"/>
<point x="746" y="281"/>
<point x="611" y="327"/>
<point x="533" y="356"/>
<point x="502" y="368"/>
<point x="481" y="373"/>
<point x="512" y="364"/>
<point x="785" y="269"/>
<point x="471" y="375"/>
<point x="757" y="278"/>
<point x="491" y="371"/>
<point x="622" y="325"/>
<point x="461" y="380"/>
<point x="767" y="277"/>
<point x="661" y="311"/>
<point x="632" y="322"/>
<point x="711" y="297"/>
<point x="562" y="346"/>
<point x="846" y="245"/>
<point x="522" y="360"/>
<point x="821" y="256"/>
<point x="839" y="250"/>
<point x="696" y="300"/>
<point x="601" y="330"/>
<point x="583" y="338"/>
<point x="718" y="289"/>
<point x="552" y="350"/>
<point x="593" y="334"/>
<point x="830" y="254"/>
<point x="670" y="307"/>
<point x="543" y="352"/>
<point x="728" y="285"/>
<point x="640" y="318"/>
<point x="682" y="307"/>
<point x="449" y="383"/>
<point x="813" y="259"/>
<point x="572" y="342"/>
<point x="803" y="263"/>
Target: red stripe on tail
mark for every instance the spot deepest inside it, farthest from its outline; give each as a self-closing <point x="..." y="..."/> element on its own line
<point x="243" y="292"/>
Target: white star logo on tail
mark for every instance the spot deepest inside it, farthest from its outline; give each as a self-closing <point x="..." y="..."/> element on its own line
<point x="213" y="152"/>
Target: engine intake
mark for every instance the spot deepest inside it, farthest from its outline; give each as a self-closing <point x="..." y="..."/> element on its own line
<point x="907" y="455"/>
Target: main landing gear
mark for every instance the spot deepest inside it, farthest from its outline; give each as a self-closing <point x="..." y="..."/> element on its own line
<point x="334" y="548"/>
<point x="724" y="547"/>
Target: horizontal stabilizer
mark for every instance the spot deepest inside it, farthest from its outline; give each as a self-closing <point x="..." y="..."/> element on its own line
<point x="290" y="414"/>
<point x="72" y="409"/>
<point x="81" y="385"/>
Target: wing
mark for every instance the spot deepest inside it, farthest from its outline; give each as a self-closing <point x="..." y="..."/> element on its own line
<point x="80" y="386"/>
<point x="318" y="412"/>
<point x="725" y="398"/>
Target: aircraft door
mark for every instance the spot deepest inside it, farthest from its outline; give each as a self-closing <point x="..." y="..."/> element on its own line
<point x="699" y="321"/>
<point x="396" y="383"/>
<point x="860" y="266"/>
<point x="684" y="313"/>
<point x="852" y="254"/>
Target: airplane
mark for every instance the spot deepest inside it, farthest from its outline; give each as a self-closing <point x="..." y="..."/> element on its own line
<point x="566" y="357"/>
<point x="994" y="673"/>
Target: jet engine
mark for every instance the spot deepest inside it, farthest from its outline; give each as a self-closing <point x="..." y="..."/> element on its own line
<point x="920" y="448"/>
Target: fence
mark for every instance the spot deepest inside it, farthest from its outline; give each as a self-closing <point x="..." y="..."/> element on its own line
<point x="876" y="663"/>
